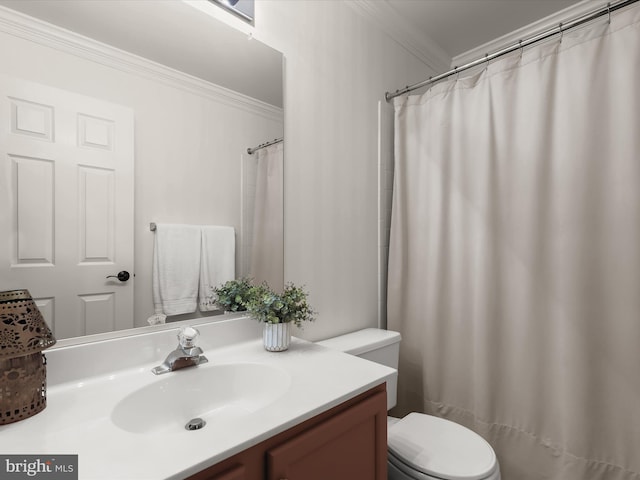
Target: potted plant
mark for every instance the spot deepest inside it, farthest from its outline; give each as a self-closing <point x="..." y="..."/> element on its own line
<point x="278" y="311"/>
<point x="233" y="295"/>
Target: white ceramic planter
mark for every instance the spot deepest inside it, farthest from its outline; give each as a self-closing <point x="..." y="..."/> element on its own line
<point x="276" y="336"/>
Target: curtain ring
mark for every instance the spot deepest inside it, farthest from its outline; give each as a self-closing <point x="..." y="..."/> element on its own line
<point x="486" y="59"/>
<point x="521" y="48"/>
<point x="455" y="69"/>
<point x="609" y="11"/>
<point x="561" y="31"/>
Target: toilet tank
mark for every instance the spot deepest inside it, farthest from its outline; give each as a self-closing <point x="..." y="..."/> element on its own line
<point x="380" y="346"/>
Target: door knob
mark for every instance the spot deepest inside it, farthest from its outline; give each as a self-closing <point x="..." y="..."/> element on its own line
<point x="123" y="276"/>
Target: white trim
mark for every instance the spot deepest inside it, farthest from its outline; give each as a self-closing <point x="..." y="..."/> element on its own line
<point x="530" y="30"/>
<point x="43" y="33"/>
<point x="409" y="37"/>
<point x="385" y="182"/>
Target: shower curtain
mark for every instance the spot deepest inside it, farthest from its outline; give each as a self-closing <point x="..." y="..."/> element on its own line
<point x="267" y="253"/>
<point x="514" y="263"/>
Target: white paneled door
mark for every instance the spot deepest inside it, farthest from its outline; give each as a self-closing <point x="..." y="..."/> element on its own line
<point x="66" y="205"/>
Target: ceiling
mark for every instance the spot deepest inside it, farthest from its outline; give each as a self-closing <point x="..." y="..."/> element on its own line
<point x="440" y="32"/>
<point x="457" y="26"/>
<point x="436" y="31"/>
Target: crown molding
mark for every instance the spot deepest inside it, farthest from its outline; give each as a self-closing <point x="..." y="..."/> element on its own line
<point x="49" y="35"/>
<point x="416" y="42"/>
<point x="527" y="31"/>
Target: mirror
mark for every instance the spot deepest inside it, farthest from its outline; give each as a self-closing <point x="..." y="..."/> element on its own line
<point x="199" y="94"/>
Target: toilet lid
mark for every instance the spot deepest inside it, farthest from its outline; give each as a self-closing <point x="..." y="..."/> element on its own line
<point x="441" y="448"/>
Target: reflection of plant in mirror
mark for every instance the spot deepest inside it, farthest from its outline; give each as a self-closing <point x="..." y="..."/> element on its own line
<point x="289" y="306"/>
<point x="233" y="295"/>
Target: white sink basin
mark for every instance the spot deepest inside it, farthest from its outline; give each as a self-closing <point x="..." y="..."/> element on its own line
<point x="215" y="393"/>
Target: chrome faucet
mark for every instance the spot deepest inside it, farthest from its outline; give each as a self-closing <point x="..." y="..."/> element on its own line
<point x="186" y="353"/>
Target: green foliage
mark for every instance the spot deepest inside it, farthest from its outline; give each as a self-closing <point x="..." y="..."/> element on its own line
<point x="234" y="295"/>
<point x="289" y="306"/>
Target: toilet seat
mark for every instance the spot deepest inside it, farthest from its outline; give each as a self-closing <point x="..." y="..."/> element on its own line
<point x="428" y="447"/>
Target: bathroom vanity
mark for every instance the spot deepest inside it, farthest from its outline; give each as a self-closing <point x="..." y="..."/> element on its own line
<point x="306" y="413"/>
<point x="349" y="441"/>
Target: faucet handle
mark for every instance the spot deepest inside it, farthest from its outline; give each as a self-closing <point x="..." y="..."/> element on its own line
<point x="187" y="337"/>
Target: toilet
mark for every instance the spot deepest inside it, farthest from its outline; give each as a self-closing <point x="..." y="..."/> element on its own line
<point x="420" y="446"/>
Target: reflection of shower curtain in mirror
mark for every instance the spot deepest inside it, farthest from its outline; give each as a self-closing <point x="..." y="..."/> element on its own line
<point x="267" y="247"/>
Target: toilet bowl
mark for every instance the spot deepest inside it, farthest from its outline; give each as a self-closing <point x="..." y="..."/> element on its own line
<point x="420" y="446"/>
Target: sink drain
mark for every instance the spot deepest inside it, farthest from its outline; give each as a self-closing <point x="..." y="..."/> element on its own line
<point x="195" y="424"/>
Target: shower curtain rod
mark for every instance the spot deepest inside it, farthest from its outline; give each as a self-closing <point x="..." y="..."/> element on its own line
<point x="562" y="27"/>
<point x="263" y="145"/>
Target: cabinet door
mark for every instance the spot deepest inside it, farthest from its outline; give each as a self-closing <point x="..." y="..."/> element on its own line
<point x="350" y="445"/>
<point x="234" y="473"/>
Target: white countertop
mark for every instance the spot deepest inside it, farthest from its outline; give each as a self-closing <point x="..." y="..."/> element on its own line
<point x="77" y="419"/>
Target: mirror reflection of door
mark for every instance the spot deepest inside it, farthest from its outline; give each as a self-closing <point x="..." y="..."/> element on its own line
<point x="67" y="196"/>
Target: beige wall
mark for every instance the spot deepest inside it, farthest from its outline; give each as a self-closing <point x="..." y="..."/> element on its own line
<point x="338" y="66"/>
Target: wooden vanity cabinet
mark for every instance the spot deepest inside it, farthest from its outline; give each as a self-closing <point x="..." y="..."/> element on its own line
<point x="347" y="442"/>
<point x="237" y="472"/>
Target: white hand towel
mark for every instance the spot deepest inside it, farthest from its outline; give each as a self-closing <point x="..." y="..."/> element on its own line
<point x="176" y="268"/>
<point x="217" y="262"/>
